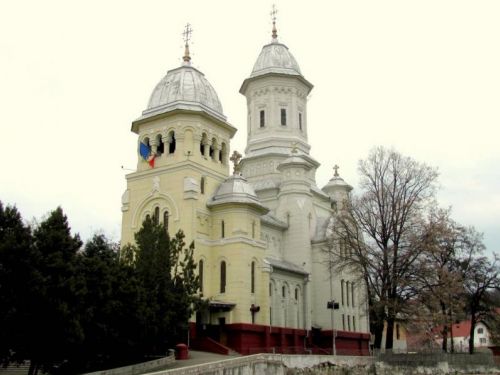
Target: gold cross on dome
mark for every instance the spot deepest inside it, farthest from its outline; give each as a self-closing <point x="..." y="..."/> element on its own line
<point x="187" y="33"/>
<point x="235" y="158"/>
<point x="336" y="169"/>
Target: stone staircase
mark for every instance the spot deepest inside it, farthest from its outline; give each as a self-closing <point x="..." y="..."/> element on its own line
<point x="13" y="369"/>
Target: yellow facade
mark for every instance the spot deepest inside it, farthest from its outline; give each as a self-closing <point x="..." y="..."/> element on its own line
<point x="260" y="244"/>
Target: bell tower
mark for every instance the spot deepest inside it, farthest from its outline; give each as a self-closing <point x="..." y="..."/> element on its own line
<point x="182" y="149"/>
<point x="276" y="94"/>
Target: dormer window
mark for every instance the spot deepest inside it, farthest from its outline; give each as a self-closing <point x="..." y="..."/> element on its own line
<point x="262" y="118"/>
<point x="283" y="116"/>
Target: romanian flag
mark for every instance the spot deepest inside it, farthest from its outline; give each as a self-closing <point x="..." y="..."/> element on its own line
<point x="147" y="155"/>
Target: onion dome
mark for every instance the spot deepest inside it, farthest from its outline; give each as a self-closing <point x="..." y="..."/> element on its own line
<point x="184" y="88"/>
<point x="275" y="58"/>
<point x="236" y="190"/>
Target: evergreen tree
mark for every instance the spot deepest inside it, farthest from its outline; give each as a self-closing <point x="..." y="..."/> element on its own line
<point x="57" y="329"/>
<point x="165" y="268"/>
<point x="20" y="286"/>
<point x="109" y="308"/>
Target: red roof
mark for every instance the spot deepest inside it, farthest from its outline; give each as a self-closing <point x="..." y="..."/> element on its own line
<point x="461" y="329"/>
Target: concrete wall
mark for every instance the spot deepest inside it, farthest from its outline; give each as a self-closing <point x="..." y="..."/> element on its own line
<point x="278" y="364"/>
<point x="139" y="368"/>
<point x="345" y="365"/>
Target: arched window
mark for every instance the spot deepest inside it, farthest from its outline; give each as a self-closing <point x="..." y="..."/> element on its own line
<point x="342" y="292"/>
<point x="144" y="149"/>
<point x="296" y="294"/>
<point x="223" y="277"/>
<point x="223" y="153"/>
<point x="203" y="144"/>
<point x="262" y="118"/>
<point x="354" y="323"/>
<point x="270" y="289"/>
<point x="165" y="220"/>
<point x="172" y="144"/>
<point x="352" y="294"/>
<point x="253" y="229"/>
<point x="156" y="216"/>
<point x="200" y="274"/>
<point x="252" y="281"/>
<point x="283" y="291"/>
<point x="160" y="147"/>
<point x="300" y="121"/>
<point x="211" y="150"/>
<point x="202" y="185"/>
<point x="222" y="229"/>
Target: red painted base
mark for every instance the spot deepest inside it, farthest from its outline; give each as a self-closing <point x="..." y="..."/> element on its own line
<point x="254" y="338"/>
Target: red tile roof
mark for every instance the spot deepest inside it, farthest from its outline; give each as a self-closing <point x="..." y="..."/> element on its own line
<point x="461" y="329"/>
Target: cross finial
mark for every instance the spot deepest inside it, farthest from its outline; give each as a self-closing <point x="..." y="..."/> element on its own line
<point x="273" y="13"/>
<point x="235" y="158"/>
<point x="187" y="37"/>
<point x="336" y="169"/>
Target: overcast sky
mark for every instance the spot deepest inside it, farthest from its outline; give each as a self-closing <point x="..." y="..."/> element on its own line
<point x="420" y="76"/>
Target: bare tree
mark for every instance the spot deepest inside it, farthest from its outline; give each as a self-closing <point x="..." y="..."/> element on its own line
<point x="439" y="280"/>
<point x="383" y="225"/>
<point x="481" y="276"/>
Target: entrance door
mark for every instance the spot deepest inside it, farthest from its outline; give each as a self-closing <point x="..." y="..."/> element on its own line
<point x="222" y="331"/>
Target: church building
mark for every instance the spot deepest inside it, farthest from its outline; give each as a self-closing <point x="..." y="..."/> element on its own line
<point x="259" y="222"/>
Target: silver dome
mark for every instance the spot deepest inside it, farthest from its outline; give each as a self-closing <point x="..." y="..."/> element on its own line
<point x="236" y="189"/>
<point x="184" y="88"/>
<point x="275" y="58"/>
<point x="335" y="183"/>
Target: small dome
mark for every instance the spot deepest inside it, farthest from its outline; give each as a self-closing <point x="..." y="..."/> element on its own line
<point x="184" y="88"/>
<point x="275" y="58"/>
<point x="335" y="183"/>
<point x="236" y="189"/>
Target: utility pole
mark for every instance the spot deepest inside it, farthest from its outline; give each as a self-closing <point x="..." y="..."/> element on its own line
<point x="332" y="305"/>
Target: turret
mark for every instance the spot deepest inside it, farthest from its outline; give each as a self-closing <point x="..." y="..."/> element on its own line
<point x="337" y="189"/>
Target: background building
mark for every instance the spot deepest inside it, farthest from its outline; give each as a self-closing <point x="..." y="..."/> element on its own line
<point x="261" y="232"/>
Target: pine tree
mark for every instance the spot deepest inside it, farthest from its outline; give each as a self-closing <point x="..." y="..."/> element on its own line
<point x="109" y="309"/>
<point x="57" y="329"/>
<point x="20" y="286"/>
<point x="165" y="268"/>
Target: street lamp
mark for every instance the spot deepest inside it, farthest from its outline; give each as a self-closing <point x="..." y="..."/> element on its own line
<point x="332" y="305"/>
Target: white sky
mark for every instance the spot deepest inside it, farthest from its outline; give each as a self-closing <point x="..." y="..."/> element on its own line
<point x="421" y="76"/>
